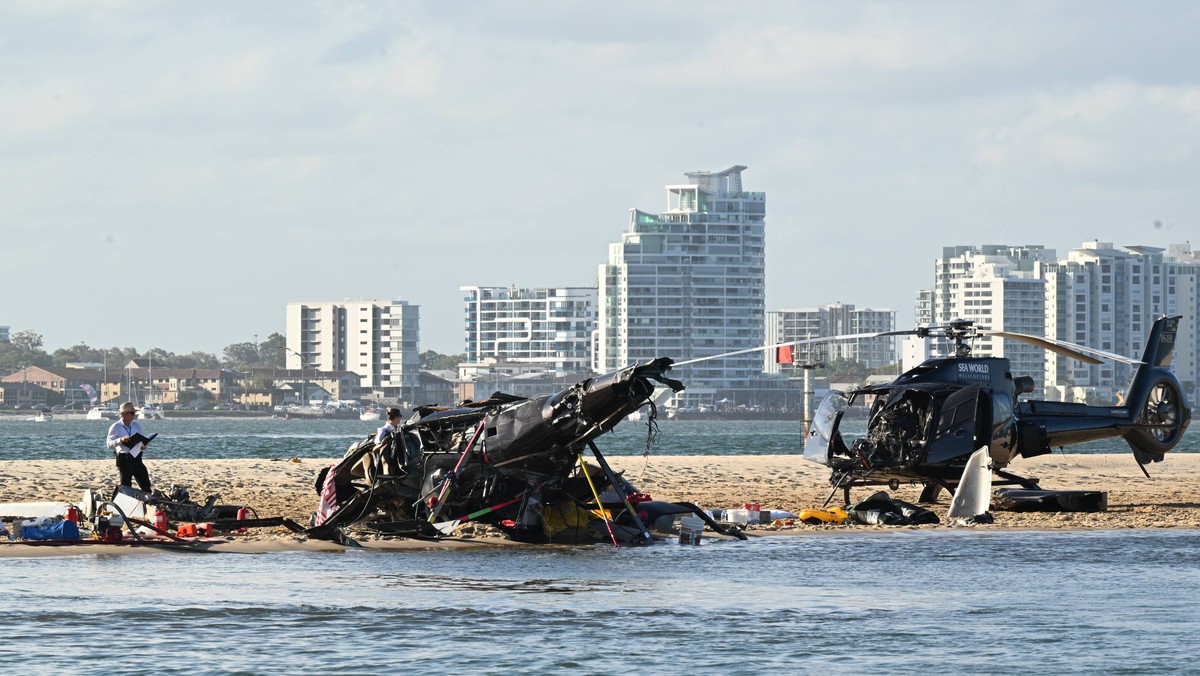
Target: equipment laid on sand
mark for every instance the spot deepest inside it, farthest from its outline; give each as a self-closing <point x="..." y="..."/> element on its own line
<point x="1019" y="500"/>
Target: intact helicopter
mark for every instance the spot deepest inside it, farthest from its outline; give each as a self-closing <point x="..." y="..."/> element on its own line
<point x="923" y="427"/>
<point x="515" y="463"/>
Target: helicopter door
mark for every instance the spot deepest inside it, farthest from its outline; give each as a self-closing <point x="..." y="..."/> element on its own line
<point x="819" y="447"/>
<point x="954" y="435"/>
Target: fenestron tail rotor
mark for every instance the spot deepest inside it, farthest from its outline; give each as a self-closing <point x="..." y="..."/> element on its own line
<point x="1163" y="410"/>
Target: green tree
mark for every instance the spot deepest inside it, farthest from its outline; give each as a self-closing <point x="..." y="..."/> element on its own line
<point x="198" y="360"/>
<point x="436" y="361"/>
<point x="843" y="366"/>
<point x="241" y="355"/>
<point x="272" y="352"/>
<point x="78" y="353"/>
<point x="27" y="341"/>
<point x="24" y="350"/>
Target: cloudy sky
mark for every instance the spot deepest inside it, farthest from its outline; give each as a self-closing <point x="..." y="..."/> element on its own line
<point x="174" y="173"/>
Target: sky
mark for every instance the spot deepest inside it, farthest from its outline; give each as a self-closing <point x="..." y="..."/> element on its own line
<point x="173" y="174"/>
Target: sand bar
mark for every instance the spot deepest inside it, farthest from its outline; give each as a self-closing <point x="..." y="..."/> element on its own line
<point x="1169" y="499"/>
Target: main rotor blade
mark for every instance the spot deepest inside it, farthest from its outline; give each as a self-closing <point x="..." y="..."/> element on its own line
<point x="1078" y="352"/>
<point x="804" y="341"/>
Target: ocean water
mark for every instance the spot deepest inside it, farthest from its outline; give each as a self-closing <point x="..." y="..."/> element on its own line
<point x="305" y="438"/>
<point x="900" y="602"/>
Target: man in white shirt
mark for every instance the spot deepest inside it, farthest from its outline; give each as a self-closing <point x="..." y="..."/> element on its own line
<point x="394" y="419"/>
<point x="129" y="453"/>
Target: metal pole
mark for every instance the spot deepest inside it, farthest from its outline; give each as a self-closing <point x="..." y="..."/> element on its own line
<point x="808" y="399"/>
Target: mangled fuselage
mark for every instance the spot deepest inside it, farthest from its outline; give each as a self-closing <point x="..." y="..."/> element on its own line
<point x="512" y="462"/>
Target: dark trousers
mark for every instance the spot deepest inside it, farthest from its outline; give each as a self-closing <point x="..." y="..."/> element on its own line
<point x="133" y="468"/>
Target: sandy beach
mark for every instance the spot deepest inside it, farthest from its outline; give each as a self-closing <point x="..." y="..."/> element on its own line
<point x="1169" y="499"/>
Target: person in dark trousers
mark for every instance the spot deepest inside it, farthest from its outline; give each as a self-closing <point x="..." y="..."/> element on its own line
<point x="129" y="454"/>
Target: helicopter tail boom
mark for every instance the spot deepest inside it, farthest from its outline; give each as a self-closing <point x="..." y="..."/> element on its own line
<point x="1152" y="419"/>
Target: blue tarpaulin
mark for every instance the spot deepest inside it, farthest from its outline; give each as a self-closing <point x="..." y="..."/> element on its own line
<point x="63" y="530"/>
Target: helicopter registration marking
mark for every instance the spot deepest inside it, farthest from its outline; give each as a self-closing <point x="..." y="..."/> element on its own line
<point x="974" y="371"/>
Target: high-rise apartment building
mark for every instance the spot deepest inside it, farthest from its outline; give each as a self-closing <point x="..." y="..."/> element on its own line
<point x="832" y="320"/>
<point x="549" y="327"/>
<point x="1183" y="265"/>
<point x="378" y="340"/>
<point x="1108" y="298"/>
<point x="689" y="282"/>
<point x="1000" y="288"/>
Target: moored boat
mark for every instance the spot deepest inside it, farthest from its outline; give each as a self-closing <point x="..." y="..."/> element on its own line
<point x="101" y="413"/>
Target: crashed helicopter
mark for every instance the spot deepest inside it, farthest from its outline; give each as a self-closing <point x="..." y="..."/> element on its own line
<point x="515" y="463"/>
<point x="924" y="426"/>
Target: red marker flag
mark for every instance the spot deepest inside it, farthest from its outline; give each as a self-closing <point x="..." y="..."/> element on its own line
<point x="783" y="354"/>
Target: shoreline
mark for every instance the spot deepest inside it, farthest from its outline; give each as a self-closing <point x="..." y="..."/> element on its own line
<point x="1169" y="499"/>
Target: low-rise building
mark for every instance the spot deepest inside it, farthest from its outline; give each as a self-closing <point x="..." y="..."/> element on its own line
<point x="62" y="385"/>
<point x="272" y="387"/>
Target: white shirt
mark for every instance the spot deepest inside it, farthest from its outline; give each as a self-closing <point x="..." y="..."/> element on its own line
<point x="384" y="431"/>
<point x="120" y="429"/>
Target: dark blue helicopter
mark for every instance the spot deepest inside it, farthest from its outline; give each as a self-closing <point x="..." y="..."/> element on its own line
<point x="925" y="425"/>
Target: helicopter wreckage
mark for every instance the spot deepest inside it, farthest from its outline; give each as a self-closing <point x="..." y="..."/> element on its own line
<point x="512" y="462"/>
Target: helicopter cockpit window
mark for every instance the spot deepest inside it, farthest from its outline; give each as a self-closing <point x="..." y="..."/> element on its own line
<point x="1002" y="416"/>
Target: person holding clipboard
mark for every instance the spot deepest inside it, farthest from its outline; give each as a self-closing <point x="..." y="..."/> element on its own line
<point x="125" y="437"/>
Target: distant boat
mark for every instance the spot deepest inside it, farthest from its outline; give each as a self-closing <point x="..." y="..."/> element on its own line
<point x="370" y="414"/>
<point x="150" y="413"/>
<point x="40" y="417"/>
<point x="101" y="413"/>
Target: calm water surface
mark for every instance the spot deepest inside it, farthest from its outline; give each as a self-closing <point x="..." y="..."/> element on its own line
<point x="281" y="438"/>
<point x="905" y="602"/>
<point x="945" y="601"/>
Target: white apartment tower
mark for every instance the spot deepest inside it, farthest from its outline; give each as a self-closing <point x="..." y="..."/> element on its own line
<point x="689" y="282"/>
<point x="1108" y="298"/>
<point x="1000" y="288"/>
<point x="831" y="320"/>
<point x="550" y="327"/>
<point x="378" y="340"/>
<point x="1184" y="269"/>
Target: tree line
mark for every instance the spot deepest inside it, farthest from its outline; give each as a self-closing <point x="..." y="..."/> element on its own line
<point x="25" y="348"/>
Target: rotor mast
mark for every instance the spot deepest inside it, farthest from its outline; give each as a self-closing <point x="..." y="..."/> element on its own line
<point x="808" y="358"/>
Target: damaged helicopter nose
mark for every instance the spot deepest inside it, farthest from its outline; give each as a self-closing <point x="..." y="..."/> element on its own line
<point x="608" y="398"/>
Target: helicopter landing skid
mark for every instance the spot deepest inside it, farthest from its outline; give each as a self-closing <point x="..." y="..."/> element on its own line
<point x="932" y="486"/>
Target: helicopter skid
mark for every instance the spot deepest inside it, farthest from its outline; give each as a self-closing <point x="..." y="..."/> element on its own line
<point x="933" y="480"/>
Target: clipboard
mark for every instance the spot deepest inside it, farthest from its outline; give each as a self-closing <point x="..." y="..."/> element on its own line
<point x="139" y="438"/>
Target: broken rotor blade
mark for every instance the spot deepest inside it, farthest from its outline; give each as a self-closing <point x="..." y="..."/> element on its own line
<point x="447" y="527"/>
<point x="1077" y="352"/>
<point x="803" y="341"/>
